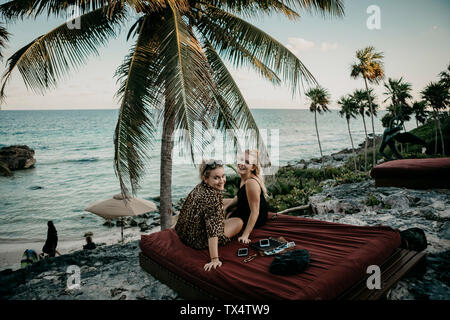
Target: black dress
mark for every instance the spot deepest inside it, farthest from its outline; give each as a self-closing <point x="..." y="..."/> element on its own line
<point x="51" y="242"/>
<point x="243" y="209"/>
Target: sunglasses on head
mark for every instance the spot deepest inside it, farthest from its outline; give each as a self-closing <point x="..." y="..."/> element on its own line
<point x="212" y="164"/>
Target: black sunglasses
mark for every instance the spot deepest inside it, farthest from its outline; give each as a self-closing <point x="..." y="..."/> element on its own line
<point x="212" y="164"/>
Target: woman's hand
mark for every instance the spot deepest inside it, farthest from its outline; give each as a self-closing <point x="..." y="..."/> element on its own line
<point x="244" y="239"/>
<point x="213" y="264"/>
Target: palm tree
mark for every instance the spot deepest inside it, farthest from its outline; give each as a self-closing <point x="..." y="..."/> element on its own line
<point x="320" y="98"/>
<point x="398" y="92"/>
<point x="349" y="109"/>
<point x="174" y="74"/>
<point x="362" y="104"/>
<point x="420" y="112"/>
<point x="445" y="81"/>
<point x="445" y="77"/>
<point x="437" y="96"/>
<point x="370" y="67"/>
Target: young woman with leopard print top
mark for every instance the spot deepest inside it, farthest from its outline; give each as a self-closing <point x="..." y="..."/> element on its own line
<point x="201" y="223"/>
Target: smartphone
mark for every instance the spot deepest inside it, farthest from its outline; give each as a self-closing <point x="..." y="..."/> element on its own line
<point x="242" y="252"/>
<point x="264" y="243"/>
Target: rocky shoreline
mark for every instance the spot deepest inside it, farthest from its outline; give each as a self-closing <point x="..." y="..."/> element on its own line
<point x="113" y="272"/>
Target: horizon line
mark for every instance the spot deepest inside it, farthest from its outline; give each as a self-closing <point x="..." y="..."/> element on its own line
<point x="94" y="109"/>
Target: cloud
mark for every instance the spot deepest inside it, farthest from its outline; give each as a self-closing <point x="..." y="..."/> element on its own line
<point x="296" y="45"/>
<point x="325" y="46"/>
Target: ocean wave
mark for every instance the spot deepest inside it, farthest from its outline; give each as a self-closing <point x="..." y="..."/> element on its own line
<point x="92" y="159"/>
<point x="80" y="160"/>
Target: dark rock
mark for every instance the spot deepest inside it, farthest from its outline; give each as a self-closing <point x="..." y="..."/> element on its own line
<point x="4" y="170"/>
<point x="109" y="224"/>
<point x="445" y="231"/>
<point x="133" y="223"/>
<point x="17" y="157"/>
<point x="35" y="188"/>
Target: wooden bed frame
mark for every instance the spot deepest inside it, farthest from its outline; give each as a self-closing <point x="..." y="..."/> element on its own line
<point x="392" y="270"/>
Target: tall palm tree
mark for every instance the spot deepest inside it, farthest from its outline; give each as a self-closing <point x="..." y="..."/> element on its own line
<point x="399" y="92"/>
<point x="349" y="109"/>
<point x="362" y="104"/>
<point x="437" y="96"/>
<point x="420" y="111"/>
<point x="369" y="66"/>
<point x="174" y="74"/>
<point x="320" y="98"/>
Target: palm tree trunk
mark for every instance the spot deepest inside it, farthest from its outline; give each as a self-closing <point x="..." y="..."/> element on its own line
<point x="373" y="126"/>
<point x="351" y="140"/>
<point x="165" y="191"/>
<point x="442" y="137"/>
<point x="435" y="133"/>
<point x="365" y="143"/>
<point x="318" y="139"/>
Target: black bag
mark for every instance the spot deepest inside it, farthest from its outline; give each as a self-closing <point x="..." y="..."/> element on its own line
<point x="290" y="263"/>
<point x="413" y="239"/>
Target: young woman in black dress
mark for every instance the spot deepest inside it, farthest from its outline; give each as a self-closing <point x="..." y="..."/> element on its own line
<point x="250" y="202"/>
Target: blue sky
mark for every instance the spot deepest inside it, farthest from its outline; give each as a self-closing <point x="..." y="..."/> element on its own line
<point x="414" y="36"/>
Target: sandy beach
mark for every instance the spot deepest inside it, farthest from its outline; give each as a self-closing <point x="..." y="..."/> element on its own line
<point x="11" y="251"/>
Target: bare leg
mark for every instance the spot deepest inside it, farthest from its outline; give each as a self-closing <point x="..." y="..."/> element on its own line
<point x="233" y="226"/>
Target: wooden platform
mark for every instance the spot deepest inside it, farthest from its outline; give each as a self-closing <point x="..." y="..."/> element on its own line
<point x="392" y="270"/>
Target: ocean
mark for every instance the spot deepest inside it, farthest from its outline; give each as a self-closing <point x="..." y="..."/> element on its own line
<point x="74" y="164"/>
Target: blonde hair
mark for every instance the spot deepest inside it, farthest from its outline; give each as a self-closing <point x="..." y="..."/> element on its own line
<point x="205" y="172"/>
<point x="257" y="170"/>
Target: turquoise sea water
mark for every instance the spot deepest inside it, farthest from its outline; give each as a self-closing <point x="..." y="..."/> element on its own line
<point x="74" y="164"/>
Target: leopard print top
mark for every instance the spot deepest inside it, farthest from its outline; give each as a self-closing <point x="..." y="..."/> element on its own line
<point x="202" y="217"/>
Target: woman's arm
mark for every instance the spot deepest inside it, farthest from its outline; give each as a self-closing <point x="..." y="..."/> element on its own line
<point x="213" y="245"/>
<point x="229" y="203"/>
<point x="253" y="191"/>
<point x="214" y="220"/>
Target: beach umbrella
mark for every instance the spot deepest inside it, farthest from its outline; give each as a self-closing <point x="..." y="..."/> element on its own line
<point x="116" y="207"/>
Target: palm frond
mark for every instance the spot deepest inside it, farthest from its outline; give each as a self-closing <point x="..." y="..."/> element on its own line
<point x="187" y="82"/>
<point x="369" y="65"/>
<point x="4" y="36"/>
<point x="136" y="125"/>
<point x="234" y="112"/>
<point x="50" y="57"/>
<point x="286" y="7"/>
<point x="217" y="26"/>
<point x="320" y="98"/>
<point x="32" y="8"/>
<point x="255" y="8"/>
<point x="239" y="56"/>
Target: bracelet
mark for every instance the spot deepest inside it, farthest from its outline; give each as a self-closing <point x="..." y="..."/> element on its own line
<point x="214" y="258"/>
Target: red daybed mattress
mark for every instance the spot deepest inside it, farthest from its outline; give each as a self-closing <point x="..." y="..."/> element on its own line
<point x="340" y="255"/>
<point x="413" y="173"/>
